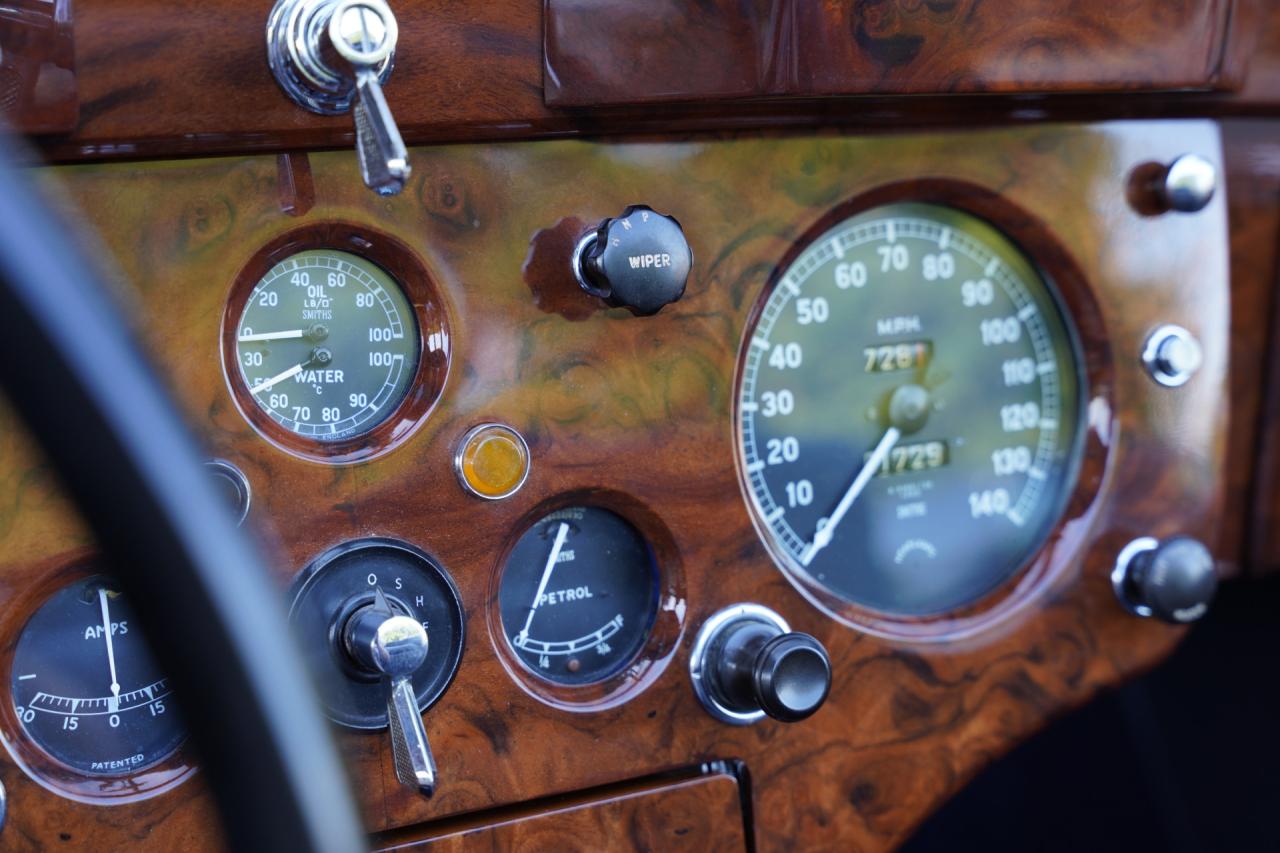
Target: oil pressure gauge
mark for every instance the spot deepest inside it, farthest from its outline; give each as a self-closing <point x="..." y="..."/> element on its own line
<point x="578" y="596"/>
<point x="327" y="344"/>
<point x="333" y="353"/>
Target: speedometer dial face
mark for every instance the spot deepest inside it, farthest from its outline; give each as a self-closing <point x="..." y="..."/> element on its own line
<point x="909" y="411"/>
<point x="327" y="345"/>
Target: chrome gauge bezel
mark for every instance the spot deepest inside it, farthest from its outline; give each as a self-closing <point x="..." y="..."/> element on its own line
<point x="430" y="316"/>
<point x="1062" y="546"/>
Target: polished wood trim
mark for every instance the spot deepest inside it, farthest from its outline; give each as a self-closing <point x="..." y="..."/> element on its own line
<point x="179" y="77"/>
<point x="618" y="52"/>
<point x="641" y="407"/>
<point x="701" y="814"/>
<point x="1250" y="540"/>
<point x="38" y="85"/>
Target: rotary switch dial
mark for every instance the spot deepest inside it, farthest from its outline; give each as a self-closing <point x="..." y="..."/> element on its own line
<point x="639" y="260"/>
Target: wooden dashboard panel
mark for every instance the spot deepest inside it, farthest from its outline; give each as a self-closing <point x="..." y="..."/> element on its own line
<point x="614" y="53"/>
<point x="180" y="77"/>
<point x="635" y="412"/>
<point x="701" y="815"/>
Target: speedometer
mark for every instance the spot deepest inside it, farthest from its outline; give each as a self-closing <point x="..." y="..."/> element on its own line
<point x="909" y="411"/>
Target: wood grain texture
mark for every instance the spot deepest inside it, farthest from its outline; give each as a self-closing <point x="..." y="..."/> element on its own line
<point x="641" y="407"/>
<point x="1250" y="533"/>
<point x="38" y="92"/>
<point x="602" y="54"/>
<point x="702" y="815"/>
<point x="164" y="77"/>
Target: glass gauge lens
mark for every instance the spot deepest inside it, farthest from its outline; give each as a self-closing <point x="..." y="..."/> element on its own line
<point x="909" y="410"/>
<point x="85" y="688"/>
<point x="578" y="595"/>
<point x="327" y="344"/>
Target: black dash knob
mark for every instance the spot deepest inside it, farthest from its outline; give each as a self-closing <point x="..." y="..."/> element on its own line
<point x="639" y="260"/>
<point x="1174" y="580"/>
<point x="791" y="677"/>
<point x="747" y="665"/>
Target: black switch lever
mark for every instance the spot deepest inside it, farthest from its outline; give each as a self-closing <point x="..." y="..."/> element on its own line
<point x="639" y="260"/>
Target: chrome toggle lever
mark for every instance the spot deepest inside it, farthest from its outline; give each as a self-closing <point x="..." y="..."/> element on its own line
<point x="382" y="641"/>
<point x="332" y="57"/>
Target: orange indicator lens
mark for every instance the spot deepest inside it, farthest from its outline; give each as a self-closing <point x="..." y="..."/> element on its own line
<point x="492" y="461"/>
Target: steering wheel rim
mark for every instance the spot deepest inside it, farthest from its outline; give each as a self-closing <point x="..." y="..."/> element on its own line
<point x="124" y="455"/>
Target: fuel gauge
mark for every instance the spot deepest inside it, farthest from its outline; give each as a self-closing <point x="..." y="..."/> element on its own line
<point x="578" y="595"/>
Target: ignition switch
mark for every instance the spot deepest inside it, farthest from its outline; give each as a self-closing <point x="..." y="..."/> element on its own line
<point x="382" y="625"/>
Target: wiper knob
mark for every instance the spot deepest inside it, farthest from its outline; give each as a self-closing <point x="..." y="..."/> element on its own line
<point x="639" y="260"/>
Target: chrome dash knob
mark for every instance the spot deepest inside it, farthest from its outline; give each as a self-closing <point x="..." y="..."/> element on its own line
<point x="332" y="57"/>
<point x="381" y="641"/>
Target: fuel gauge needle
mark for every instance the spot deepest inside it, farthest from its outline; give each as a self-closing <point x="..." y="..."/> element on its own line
<point x="113" y="704"/>
<point x="823" y="537"/>
<point x="542" y="584"/>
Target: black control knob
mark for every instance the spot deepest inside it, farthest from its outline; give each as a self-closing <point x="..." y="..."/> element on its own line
<point x="748" y="665"/>
<point x="1173" y="580"/>
<point x="639" y="260"/>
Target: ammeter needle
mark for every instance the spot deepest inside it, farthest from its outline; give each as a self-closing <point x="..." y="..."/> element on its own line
<point x="113" y="705"/>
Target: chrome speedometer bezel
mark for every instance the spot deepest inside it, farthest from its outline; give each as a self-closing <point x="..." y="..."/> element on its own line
<point x="430" y="316"/>
<point x="1061" y="549"/>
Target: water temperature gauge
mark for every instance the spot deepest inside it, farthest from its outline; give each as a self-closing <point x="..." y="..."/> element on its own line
<point x="578" y="595"/>
<point x="85" y="687"/>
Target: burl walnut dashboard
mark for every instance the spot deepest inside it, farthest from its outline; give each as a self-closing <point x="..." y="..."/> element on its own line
<point x="754" y="488"/>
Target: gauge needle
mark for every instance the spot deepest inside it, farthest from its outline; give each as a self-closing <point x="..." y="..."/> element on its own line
<point x="113" y="704"/>
<point x="275" y="336"/>
<point x="279" y="377"/>
<point x="542" y="584"/>
<point x="823" y="537"/>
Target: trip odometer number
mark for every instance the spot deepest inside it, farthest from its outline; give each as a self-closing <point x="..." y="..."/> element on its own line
<point x="909" y="410"/>
<point x="327" y="345"/>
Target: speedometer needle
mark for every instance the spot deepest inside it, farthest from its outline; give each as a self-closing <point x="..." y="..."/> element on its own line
<point x="561" y="534"/>
<point x="279" y="377"/>
<point x="113" y="704"/>
<point x="275" y="336"/>
<point x="823" y="537"/>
